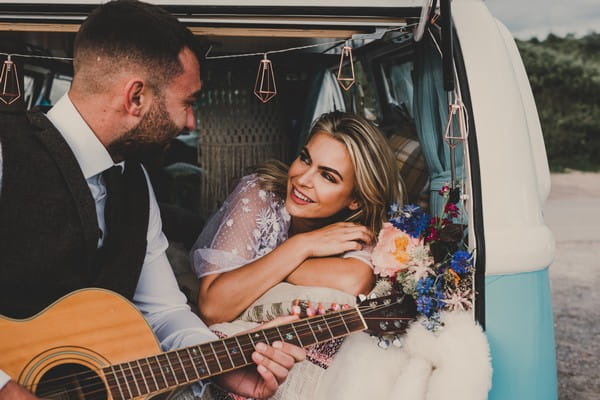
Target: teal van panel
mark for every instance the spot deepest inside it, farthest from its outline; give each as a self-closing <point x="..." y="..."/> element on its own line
<point x="519" y="327"/>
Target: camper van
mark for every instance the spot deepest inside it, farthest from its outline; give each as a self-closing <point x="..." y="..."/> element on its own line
<point x="443" y="80"/>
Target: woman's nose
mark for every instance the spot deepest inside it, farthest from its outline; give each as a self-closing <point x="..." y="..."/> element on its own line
<point x="305" y="178"/>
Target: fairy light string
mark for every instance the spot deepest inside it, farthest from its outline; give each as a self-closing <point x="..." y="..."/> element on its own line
<point x="266" y="89"/>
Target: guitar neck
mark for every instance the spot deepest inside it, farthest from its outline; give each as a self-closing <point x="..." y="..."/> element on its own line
<point x="175" y="368"/>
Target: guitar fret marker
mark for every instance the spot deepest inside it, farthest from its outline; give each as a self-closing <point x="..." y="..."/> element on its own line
<point x="298" y="336"/>
<point x="228" y="353"/>
<point x="193" y="363"/>
<point x="240" y="346"/>
<point x="205" y="363"/>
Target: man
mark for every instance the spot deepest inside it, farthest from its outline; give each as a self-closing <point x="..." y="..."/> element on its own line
<point x="62" y="225"/>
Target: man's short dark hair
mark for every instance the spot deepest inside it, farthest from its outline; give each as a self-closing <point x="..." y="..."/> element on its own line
<point x="130" y="31"/>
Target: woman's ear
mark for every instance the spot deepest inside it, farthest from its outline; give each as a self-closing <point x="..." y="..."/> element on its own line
<point x="354" y="205"/>
<point x="136" y="96"/>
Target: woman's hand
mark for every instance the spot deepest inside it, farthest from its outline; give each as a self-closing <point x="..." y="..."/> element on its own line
<point x="335" y="239"/>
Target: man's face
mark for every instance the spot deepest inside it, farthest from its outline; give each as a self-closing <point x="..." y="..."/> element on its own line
<point x="170" y="113"/>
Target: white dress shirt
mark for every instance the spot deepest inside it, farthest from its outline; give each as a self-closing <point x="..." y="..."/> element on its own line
<point x="157" y="294"/>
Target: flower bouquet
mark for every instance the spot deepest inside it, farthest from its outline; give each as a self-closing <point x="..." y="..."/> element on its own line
<point x="425" y="257"/>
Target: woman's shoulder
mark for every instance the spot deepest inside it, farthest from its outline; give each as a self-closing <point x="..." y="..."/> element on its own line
<point x="251" y="188"/>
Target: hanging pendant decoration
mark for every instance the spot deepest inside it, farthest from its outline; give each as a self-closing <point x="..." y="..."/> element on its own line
<point x="345" y="75"/>
<point x="9" y="82"/>
<point x="264" y="87"/>
<point x="458" y="111"/>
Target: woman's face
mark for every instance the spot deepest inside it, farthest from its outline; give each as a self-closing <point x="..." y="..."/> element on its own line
<point x="321" y="179"/>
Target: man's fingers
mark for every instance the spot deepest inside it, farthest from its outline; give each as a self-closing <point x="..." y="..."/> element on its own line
<point x="297" y="353"/>
<point x="269" y="379"/>
<point x="278" y="371"/>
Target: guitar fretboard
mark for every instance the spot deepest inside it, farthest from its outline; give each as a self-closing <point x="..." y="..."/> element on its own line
<point x="168" y="370"/>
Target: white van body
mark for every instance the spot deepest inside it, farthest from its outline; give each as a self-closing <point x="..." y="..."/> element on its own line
<point x="508" y="178"/>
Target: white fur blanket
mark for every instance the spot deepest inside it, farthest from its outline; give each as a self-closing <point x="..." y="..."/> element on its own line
<point x="453" y="363"/>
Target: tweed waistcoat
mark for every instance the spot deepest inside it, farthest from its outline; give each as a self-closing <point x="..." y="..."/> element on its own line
<point x="48" y="224"/>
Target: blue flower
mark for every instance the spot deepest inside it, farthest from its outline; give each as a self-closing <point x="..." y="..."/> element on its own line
<point x="424" y="285"/>
<point x="461" y="262"/>
<point x="411" y="219"/>
<point x="425" y="305"/>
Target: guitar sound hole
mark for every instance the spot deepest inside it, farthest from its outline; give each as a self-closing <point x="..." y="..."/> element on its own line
<point x="71" y="382"/>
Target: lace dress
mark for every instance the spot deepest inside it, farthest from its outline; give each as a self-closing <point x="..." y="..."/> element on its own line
<point x="251" y="223"/>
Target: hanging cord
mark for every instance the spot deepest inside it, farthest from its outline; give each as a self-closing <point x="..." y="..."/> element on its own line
<point x="35" y="56"/>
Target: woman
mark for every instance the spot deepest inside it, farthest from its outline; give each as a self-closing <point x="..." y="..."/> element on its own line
<point x="310" y="225"/>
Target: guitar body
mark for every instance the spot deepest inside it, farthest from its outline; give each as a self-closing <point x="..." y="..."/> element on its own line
<point x="84" y="331"/>
<point x="94" y="345"/>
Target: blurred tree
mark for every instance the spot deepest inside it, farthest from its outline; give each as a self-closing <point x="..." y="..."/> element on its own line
<point x="565" y="78"/>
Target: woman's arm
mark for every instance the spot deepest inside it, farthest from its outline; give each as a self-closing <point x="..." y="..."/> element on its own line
<point x="349" y="275"/>
<point x="222" y="297"/>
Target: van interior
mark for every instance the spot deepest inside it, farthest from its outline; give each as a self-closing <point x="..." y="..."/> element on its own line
<point x="395" y="82"/>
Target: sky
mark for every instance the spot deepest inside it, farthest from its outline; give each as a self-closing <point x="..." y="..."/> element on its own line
<point x="529" y="18"/>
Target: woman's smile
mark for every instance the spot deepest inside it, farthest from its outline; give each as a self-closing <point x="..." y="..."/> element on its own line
<point x="299" y="197"/>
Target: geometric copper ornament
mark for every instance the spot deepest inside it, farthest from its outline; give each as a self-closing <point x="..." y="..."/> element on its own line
<point x="9" y="83"/>
<point x="345" y="75"/>
<point x="458" y="111"/>
<point x="264" y="87"/>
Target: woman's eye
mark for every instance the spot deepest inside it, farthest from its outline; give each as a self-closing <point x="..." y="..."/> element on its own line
<point x="304" y="158"/>
<point x="329" y="177"/>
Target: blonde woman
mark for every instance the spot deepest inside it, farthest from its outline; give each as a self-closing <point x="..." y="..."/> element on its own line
<point x="311" y="224"/>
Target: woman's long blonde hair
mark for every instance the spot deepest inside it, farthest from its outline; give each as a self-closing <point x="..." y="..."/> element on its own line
<point x="377" y="180"/>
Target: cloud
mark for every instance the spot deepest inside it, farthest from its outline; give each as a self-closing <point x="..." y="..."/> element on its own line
<point x="526" y="19"/>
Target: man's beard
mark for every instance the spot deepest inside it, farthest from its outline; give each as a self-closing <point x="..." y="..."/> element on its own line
<point x="148" y="140"/>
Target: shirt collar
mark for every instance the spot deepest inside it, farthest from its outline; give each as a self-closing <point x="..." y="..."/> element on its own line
<point x="90" y="153"/>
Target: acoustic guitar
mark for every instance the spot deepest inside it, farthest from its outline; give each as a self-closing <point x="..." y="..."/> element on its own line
<point x="94" y="345"/>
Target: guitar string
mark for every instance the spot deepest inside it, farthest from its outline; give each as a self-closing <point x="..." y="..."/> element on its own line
<point x="302" y="331"/>
<point x="141" y="383"/>
<point x="245" y="348"/>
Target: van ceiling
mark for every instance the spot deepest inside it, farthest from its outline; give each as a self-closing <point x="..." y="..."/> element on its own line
<point x="229" y="29"/>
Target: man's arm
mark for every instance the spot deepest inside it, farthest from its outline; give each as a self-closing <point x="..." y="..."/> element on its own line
<point x="165" y="308"/>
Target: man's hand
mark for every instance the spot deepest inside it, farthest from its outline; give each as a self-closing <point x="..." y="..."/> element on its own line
<point x="274" y="363"/>
<point x="14" y="391"/>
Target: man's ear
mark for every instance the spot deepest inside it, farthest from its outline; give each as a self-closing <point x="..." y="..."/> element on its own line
<point x="136" y="97"/>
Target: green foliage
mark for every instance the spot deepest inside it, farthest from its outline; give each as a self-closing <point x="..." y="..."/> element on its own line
<point x="565" y="78"/>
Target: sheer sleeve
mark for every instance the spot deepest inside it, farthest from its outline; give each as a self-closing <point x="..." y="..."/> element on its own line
<point x="250" y="224"/>
<point x="363" y="255"/>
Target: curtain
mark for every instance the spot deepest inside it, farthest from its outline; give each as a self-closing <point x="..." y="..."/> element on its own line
<point x="431" y="113"/>
<point x="324" y="95"/>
